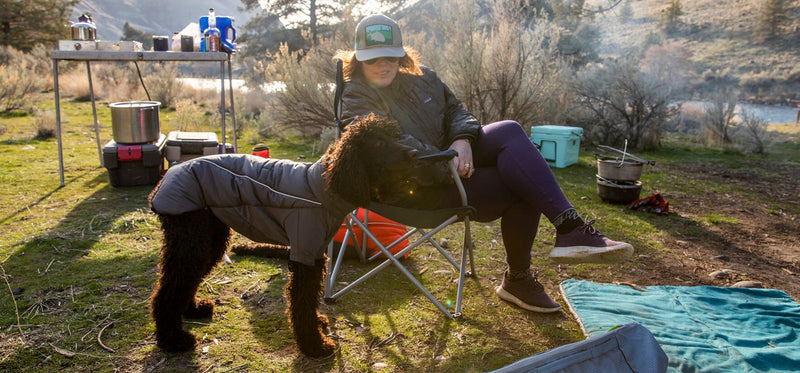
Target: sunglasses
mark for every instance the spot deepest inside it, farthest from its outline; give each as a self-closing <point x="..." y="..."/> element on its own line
<point x="375" y="60"/>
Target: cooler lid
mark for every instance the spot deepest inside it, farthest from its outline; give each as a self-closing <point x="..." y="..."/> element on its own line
<point x="180" y="136"/>
<point x="557" y="130"/>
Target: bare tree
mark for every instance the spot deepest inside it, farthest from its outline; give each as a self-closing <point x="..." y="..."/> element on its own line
<point x="616" y="101"/>
<point x="719" y="115"/>
<point x="752" y="133"/>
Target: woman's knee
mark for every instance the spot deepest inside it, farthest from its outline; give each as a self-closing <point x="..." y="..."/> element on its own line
<point x="503" y="130"/>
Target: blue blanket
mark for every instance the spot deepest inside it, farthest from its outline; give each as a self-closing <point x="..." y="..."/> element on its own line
<point x="702" y="328"/>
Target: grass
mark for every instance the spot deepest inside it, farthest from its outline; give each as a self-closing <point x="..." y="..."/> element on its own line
<point x="79" y="262"/>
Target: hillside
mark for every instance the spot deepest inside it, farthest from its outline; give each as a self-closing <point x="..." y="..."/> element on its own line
<point x="719" y="36"/>
<point x="154" y="16"/>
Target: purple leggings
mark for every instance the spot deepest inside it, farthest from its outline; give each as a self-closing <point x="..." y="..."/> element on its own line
<point x="513" y="182"/>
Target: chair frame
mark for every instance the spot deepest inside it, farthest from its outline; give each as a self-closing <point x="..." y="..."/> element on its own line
<point x="445" y="217"/>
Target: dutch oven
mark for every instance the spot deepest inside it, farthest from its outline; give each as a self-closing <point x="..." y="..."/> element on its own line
<point x="614" y="169"/>
<point x="618" y="191"/>
<point x="135" y="122"/>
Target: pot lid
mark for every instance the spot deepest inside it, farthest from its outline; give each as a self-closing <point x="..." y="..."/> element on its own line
<point x="134" y="104"/>
<point x="605" y="149"/>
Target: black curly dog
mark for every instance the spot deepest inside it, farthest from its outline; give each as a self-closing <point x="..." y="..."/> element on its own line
<point x="365" y="165"/>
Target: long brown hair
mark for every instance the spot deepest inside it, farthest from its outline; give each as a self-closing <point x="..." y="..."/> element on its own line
<point x="409" y="63"/>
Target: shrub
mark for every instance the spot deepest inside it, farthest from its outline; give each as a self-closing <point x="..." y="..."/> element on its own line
<point x="505" y="70"/>
<point x="718" y="116"/>
<point x="163" y="84"/>
<point x="188" y="116"/>
<point x="75" y="84"/>
<point x="670" y="19"/>
<point x="18" y="79"/>
<point x="752" y="133"/>
<point x="305" y="105"/>
<point x="45" y="123"/>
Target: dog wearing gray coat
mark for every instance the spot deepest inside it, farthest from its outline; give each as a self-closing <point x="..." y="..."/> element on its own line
<point x="292" y="204"/>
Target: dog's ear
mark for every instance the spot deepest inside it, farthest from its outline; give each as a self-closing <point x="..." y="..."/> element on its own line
<point x="346" y="173"/>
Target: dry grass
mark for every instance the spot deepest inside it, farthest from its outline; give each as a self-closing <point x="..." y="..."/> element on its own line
<point x="720" y="36"/>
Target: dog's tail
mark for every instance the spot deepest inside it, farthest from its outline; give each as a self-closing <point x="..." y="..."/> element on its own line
<point x="263" y="250"/>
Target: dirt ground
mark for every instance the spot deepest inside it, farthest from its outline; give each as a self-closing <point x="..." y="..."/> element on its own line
<point x="757" y="238"/>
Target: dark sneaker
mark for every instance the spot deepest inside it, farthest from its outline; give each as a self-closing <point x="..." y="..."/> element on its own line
<point x="585" y="244"/>
<point x="527" y="293"/>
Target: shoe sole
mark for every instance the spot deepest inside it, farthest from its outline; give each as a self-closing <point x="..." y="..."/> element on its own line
<point x="508" y="297"/>
<point x="589" y="254"/>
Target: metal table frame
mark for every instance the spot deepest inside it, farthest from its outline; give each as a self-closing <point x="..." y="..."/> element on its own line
<point x="110" y="56"/>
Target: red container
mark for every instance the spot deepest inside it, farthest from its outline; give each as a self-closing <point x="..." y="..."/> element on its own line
<point x="132" y="165"/>
<point x="261" y="150"/>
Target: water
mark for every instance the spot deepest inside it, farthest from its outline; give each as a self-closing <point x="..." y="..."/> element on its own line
<point x="768" y="113"/>
<point x="238" y="84"/>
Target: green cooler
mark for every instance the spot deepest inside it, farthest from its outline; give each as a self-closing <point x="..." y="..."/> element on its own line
<point x="559" y="144"/>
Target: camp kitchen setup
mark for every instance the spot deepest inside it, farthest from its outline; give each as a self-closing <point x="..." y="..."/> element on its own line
<point x="137" y="152"/>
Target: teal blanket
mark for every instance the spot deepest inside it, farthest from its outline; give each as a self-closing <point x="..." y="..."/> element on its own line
<point x="702" y="328"/>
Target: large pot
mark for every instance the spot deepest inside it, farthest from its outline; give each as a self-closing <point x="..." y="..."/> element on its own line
<point x="135" y="122"/>
<point x="618" y="192"/>
<point x="614" y="169"/>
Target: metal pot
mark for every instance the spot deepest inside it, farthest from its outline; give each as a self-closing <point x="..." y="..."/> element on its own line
<point x="135" y="122"/>
<point x="618" y="192"/>
<point x="83" y="31"/>
<point x="614" y="169"/>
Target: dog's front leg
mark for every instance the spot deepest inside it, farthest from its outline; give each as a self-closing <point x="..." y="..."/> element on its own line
<point x="302" y="297"/>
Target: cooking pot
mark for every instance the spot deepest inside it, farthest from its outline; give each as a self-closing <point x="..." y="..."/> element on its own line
<point x="135" y="122"/>
<point x="621" y="170"/>
<point x="619" y="191"/>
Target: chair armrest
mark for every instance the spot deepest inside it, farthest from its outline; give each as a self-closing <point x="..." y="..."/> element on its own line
<point x="440" y="156"/>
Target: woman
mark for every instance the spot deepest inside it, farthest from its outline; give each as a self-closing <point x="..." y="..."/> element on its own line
<point x="504" y="175"/>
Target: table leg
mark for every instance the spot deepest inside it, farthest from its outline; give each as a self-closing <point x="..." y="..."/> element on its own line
<point x="233" y="106"/>
<point x="58" y="123"/>
<point x="222" y="99"/>
<point x="94" y="115"/>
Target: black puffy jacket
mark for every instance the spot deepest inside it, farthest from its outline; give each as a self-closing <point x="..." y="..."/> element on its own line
<point x="429" y="113"/>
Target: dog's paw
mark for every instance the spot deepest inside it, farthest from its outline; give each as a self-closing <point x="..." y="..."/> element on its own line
<point x="178" y="341"/>
<point x="323" y="321"/>
<point x="325" y="348"/>
<point x="200" y="309"/>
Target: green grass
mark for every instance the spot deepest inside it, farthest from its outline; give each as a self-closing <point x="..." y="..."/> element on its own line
<point x="83" y="257"/>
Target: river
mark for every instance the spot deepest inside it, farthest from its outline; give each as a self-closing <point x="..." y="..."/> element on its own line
<point x="768" y="113"/>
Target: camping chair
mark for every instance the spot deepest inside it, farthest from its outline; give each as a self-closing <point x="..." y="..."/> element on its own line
<point x="425" y="223"/>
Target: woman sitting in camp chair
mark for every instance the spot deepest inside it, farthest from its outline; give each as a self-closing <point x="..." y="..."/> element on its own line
<point x="504" y="175"/>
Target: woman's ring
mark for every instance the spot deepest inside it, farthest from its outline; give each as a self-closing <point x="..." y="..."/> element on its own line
<point x="466" y="165"/>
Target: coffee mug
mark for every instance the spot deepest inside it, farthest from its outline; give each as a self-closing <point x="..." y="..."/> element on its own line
<point x="160" y="43"/>
<point x="187" y="43"/>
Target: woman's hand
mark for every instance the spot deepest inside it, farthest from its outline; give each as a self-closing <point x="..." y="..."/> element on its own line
<point x="463" y="161"/>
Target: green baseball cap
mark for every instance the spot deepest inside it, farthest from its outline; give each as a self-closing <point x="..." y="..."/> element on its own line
<point x="378" y="36"/>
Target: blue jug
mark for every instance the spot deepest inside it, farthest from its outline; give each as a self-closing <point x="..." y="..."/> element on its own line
<point x="225" y="26"/>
